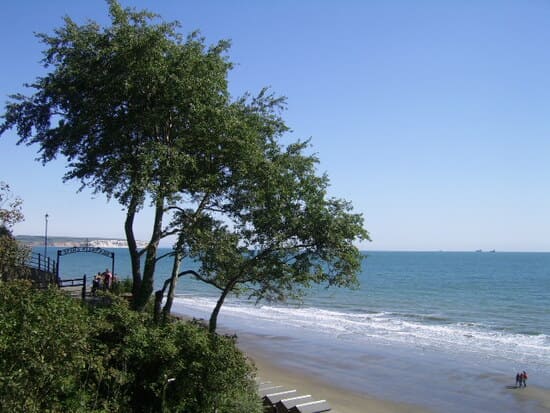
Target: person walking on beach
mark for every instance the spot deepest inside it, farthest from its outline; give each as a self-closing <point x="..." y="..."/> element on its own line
<point x="524" y="378"/>
<point x="518" y="380"/>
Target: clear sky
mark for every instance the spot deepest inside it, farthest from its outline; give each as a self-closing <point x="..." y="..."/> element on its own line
<point x="432" y="117"/>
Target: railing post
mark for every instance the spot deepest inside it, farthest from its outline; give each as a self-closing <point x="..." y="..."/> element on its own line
<point x="84" y="288"/>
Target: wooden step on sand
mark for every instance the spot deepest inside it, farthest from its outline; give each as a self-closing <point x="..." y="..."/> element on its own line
<point x="284" y="405"/>
<point x="270" y="389"/>
<point x="317" y="406"/>
<point x="278" y="399"/>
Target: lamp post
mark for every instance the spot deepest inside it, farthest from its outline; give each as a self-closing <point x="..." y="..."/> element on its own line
<point x="46" y="237"/>
<point x="163" y="400"/>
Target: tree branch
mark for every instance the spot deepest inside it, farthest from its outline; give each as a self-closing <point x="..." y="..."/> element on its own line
<point x="168" y="254"/>
<point x="208" y="281"/>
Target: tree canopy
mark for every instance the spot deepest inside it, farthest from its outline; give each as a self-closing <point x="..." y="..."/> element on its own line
<point x="140" y="114"/>
<point x="10" y="207"/>
<point x="275" y="233"/>
<point x="143" y="115"/>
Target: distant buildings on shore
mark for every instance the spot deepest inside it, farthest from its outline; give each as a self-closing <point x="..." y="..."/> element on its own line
<point x="38" y="241"/>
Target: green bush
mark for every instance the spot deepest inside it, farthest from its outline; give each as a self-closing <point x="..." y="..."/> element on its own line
<point x="12" y="257"/>
<point x="43" y="350"/>
<point x="122" y="286"/>
<point x="57" y="355"/>
<point x="178" y="367"/>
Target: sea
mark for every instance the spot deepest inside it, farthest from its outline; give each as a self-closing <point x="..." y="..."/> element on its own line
<point x="469" y="319"/>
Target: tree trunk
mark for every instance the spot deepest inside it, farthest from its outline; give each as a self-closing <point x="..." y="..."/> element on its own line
<point x="146" y="288"/>
<point x="178" y="256"/>
<point x="157" y="307"/>
<point x="214" y="316"/>
<point x="132" y="248"/>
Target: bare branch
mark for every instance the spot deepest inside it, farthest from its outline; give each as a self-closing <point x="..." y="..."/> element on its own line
<point x="168" y="254"/>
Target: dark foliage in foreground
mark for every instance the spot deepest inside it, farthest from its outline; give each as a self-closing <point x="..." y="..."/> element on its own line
<point x="57" y="355"/>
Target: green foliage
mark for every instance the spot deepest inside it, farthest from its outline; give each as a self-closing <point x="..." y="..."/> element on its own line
<point x="12" y="254"/>
<point x="142" y="113"/>
<point x="57" y="355"/>
<point x="10" y="207"/>
<point x="139" y="113"/>
<point x="12" y="257"/>
<point x="275" y="233"/>
<point x="122" y="286"/>
<point x="210" y="374"/>
<point x="43" y="350"/>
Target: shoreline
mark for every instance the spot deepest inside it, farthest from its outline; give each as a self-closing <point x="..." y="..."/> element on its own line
<point x="380" y="379"/>
<point x="292" y="375"/>
<point x="439" y="366"/>
<point x="340" y="400"/>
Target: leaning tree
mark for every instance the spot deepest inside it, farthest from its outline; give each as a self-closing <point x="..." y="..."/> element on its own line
<point x="275" y="234"/>
<point x="141" y="114"/>
<point x="270" y="229"/>
<point x="145" y="117"/>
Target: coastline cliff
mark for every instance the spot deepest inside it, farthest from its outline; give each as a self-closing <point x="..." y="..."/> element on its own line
<point x="38" y="241"/>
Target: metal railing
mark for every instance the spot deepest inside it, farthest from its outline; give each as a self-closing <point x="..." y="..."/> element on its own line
<point x="41" y="263"/>
<point x="42" y="269"/>
<point x="74" y="282"/>
<point x="43" y="272"/>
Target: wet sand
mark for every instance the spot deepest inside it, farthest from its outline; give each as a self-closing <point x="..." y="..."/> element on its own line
<point x="340" y="400"/>
<point x="386" y="379"/>
<point x="479" y="393"/>
<point x="535" y="398"/>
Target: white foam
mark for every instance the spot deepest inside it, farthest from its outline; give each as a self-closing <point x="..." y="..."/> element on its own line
<point x="384" y="327"/>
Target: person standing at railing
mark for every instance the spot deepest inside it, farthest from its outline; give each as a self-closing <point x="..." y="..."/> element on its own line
<point x="107" y="279"/>
<point x="96" y="283"/>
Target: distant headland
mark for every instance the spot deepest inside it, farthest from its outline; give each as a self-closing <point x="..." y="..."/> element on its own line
<point x="38" y="241"/>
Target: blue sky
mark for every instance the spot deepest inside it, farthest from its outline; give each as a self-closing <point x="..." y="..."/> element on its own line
<point x="432" y="117"/>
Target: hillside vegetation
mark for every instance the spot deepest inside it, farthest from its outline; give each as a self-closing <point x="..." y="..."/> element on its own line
<point x="58" y="355"/>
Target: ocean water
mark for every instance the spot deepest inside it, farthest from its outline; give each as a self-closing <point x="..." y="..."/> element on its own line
<point x="465" y="311"/>
<point x="493" y="303"/>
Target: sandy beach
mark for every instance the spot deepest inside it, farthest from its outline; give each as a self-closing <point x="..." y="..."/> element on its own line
<point x="340" y="400"/>
<point x="371" y="377"/>
<point x="272" y="368"/>
<point x="390" y="383"/>
<point x="443" y="352"/>
<point x="278" y="362"/>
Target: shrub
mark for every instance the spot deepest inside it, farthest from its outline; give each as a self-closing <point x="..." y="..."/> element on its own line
<point x="43" y="350"/>
<point x="57" y="355"/>
<point x="176" y="367"/>
<point x="12" y="257"/>
<point x="12" y="254"/>
<point x="122" y="286"/>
